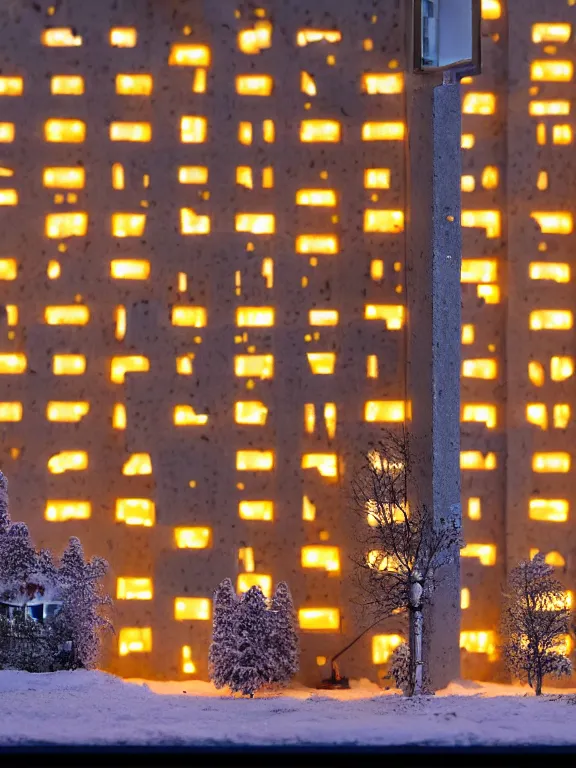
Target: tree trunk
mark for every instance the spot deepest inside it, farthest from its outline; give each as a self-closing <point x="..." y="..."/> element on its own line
<point x="538" y="683"/>
<point x="416" y="667"/>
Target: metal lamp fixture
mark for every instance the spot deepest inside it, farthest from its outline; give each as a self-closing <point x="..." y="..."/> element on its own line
<point x="446" y="36"/>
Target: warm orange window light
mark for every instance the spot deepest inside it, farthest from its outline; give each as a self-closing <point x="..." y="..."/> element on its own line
<point x="319" y="197"/>
<point x="392" y="314"/>
<point x="256" y="223"/>
<point x="136" y="512"/>
<point x="245" y="133"/>
<point x="479" y="642"/>
<point x="383" y="647"/>
<point x="61" y="511"/>
<point x="192" y="223"/>
<point x="247" y="580"/>
<point x="188" y="666"/>
<point x="545" y="270"/>
<point x="75" y="314"/>
<point x="189" y="55"/>
<point x="123" y="364"/>
<point x="325" y="463"/>
<point x="323" y="557"/>
<point x="551" y="320"/>
<point x="132" y="588"/>
<point x="327" y="244"/>
<point x="320" y="131"/>
<point x="490" y="177"/>
<point x="467" y="141"/>
<point x="377" y="178"/>
<point x="252" y="41"/>
<point x="67" y="131"/>
<point x="481" y="368"/>
<point x="537" y="414"/>
<point x="307" y="36"/>
<point x="192" y="609"/>
<point x="67" y="461"/>
<point x="477" y="460"/>
<point x="552" y="461"/>
<point x="372" y="367"/>
<point x="134" y="640"/>
<point x="119" y="419"/>
<point x="254" y="461"/>
<point x="256" y="510"/>
<point x="385" y="411"/>
<point x="536" y="373"/>
<point x="244" y="176"/>
<point x="561" y="368"/>
<point x="549" y="510"/>
<point x="474" y="508"/>
<point x="383" y="131"/>
<point x="468" y="333"/>
<point x="480" y="413"/>
<point x="60" y="37"/>
<point x="67" y="85"/>
<point x="130" y="269"/>
<point x="308" y="509"/>
<point x="551" y="71"/>
<point x="186" y="416"/>
<point x="134" y="85"/>
<point x="198" y="537"/>
<point x="323" y="317"/>
<point x="63" y="177"/>
<point x="562" y="134"/>
<point x="479" y="103"/>
<point x="254" y="85"/>
<point x="255" y="317"/>
<point x="8" y="269"/>
<point x="268" y="131"/>
<point x="123" y="37"/>
<point x="468" y="183"/>
<point x="125" y="131"/>
<point x="189" y="317"/>
<point x="322" y="363"/>
<point x="128" y="224"/>
<point x="327" y="619"/>
<point x="11" y="86"/>
<point x="488" y="220"/>
<point x="307" y="84"/>
<point x="68" y="365"/>
<point x="551" y="32"/>
<point x="8" y="197"/>
<point x="71" y="412"/>
<point x="486" y="553"/>
<point x="383" y="221"/>
<point x="382" y="83"/>
<point x="137" y="464"/>
<point x="11" y="412"/>
<point x="118" y="180"/>
<point x="257" y="366"/>
<point x="551" y="223"/>
<point x="250" y="412"/>
<point x="193" y="129"/>
<point x="553" y="107"/>
<point x="7" y="133"/>
<point x="193" y="174"/>
<point x="491" y="9"/>
<point x="61" y="225"/>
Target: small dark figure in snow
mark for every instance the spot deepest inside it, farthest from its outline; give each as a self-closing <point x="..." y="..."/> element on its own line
<point x="253" y="665"/>
<point x="284" y="643"/>
<point x="223" y="649"/>
<point x="536" y="618"/>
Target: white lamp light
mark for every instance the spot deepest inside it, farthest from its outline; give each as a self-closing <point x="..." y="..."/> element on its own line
<point x="447" y="36"/>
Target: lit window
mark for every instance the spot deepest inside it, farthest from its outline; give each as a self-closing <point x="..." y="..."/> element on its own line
<point x="8" y="269"/>
<point x="377" y="131"/>
<point x="467" y="141"/>
<point x="322" y="363"/>
<point x="200" y="81"/>
<point x="491" y="9"/>
<point x="138" y="464"/>
<point x="374" y="84"/>
<point x="467" y="334"/>
<point x="316" y="197"/>
<point x="477" y="460"/>
<point x="317" y="244"/>
<point x="537" y="414"/>
<point x="75" y="314"/>
<point x="479" y="642"/>
<point x="549" y="510"/>
<point x="558" y="461"/>
<point x="245" y="133"/>
<point x="130" y="269"/>
<point x="246" y="557"/>
<point x="61" y="511"/>
<point x="193" y="224"/>
<point x="134" y="640"/>
<point x="479" y="104"/>
<point x="562" y="134"/>
<point x="268" y="131"/>
<point x="385" y="411"/>
<point x="193" y="130"/>
<point x="250" y="412"/>
<point x="488" y="220"/>
<point x="383" y="646"/>
<point x="129" y="588"/>
<point x="183" y="55"/>
<point x="545" y="270"/>
<point x="536" y="373"/>
<point x="119" y="420"/>
<point x="256" y="223"/>
<point x="319" y="619"/>
<point x="393" y="315"/>
<point x="255" y="317"/>
<point x="136" y="512"/>
<point x="486" y="553"/>
<point x="468" y="183"/>
<point x="307" y="36"/>
<point x="123" y="364"/>
<point x="128" y="224"/>
<point x="70" y="131"/>
<point x="308" y="509"/>
<point x="551" y="33"/>
<point x="134" y="85"/>
<point x="188" y="666"/>
<point x="561" y="368"/>
<point x="7" y="133"/>
<point x="189" y="317"/>
<point x="562" y="413"/>
<point x="63" y="177"/>
<point x="60" y="37"/>
<point x="308" y="84"/>
<point x="192" y="609"/>
<point x="325" y="463"/>
<point x="193" y="174"/>
<point x="256" y="510"/>
<point x="68" y="365"/>
<point x="383" y="221"/>
<point x="118" y="176"/>
<point x="551" y="71"/>
<point x="124" y="131"/>
<point x="551" y="320"/>
<point x="66" y="411"/>
<point x="186" y="416"/>
<point x="67" y="85"/>
<point x="372" y="367"/>
<point x="61" y="225"/>
<point x="247" y="580"/>
<point x="377" y="178"/>
<point x="254" y="461"/>
<point x="257" y="366"/>
<point x="254" y="85"/>
<point x="558" y="107"/>
<point x="244" y="176"/>
<point x="10" y="412"/>
<point x="8" y="197"/>
<point x="320" y="131"/>
<point x="67" y="461"/>
<point x="123" y="37"/>
<point x="323" y="317"/>
<point x="323" y="557"/>
<point x="553" y="223"/>
<point x="193" y="538"/>
<point x="480" y="369"/>
<point x="474" y="508"/>
<point x="481" y="414"/>
<point x="490" y="177"/>
<point x="251" y="41"/>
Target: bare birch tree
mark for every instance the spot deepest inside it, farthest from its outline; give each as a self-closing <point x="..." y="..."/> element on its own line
<point x="536" y="619"/>
<point x="403" y="545"/>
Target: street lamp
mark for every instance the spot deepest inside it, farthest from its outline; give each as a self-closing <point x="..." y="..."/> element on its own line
<point x="446" y="36"/>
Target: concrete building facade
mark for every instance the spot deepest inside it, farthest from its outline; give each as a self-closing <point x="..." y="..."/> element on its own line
<point x="203" y="265"/>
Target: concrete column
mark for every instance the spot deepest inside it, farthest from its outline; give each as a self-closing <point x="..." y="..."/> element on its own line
<point x="433" y="262"/>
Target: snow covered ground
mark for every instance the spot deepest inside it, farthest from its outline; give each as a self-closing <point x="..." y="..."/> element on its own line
<point x="97" y="709"/>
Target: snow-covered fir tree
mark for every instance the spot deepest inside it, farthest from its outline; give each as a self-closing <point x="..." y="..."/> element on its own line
<point x="536" y="618"/>
<point x="283" y="641"/>
<point x="223" y="649"/>
<point x="4" y="511"/>
<point x="83" y="598"/>
<point x="399" y="669"/>
<point x="18" y="565"/>
<point x="253" y="663"/>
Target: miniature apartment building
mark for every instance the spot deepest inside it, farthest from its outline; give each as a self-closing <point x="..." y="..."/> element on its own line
<point x="202" y="265"/>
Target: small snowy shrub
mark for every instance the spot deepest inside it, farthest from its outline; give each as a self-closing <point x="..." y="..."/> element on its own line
<point x="400" y="667"/>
